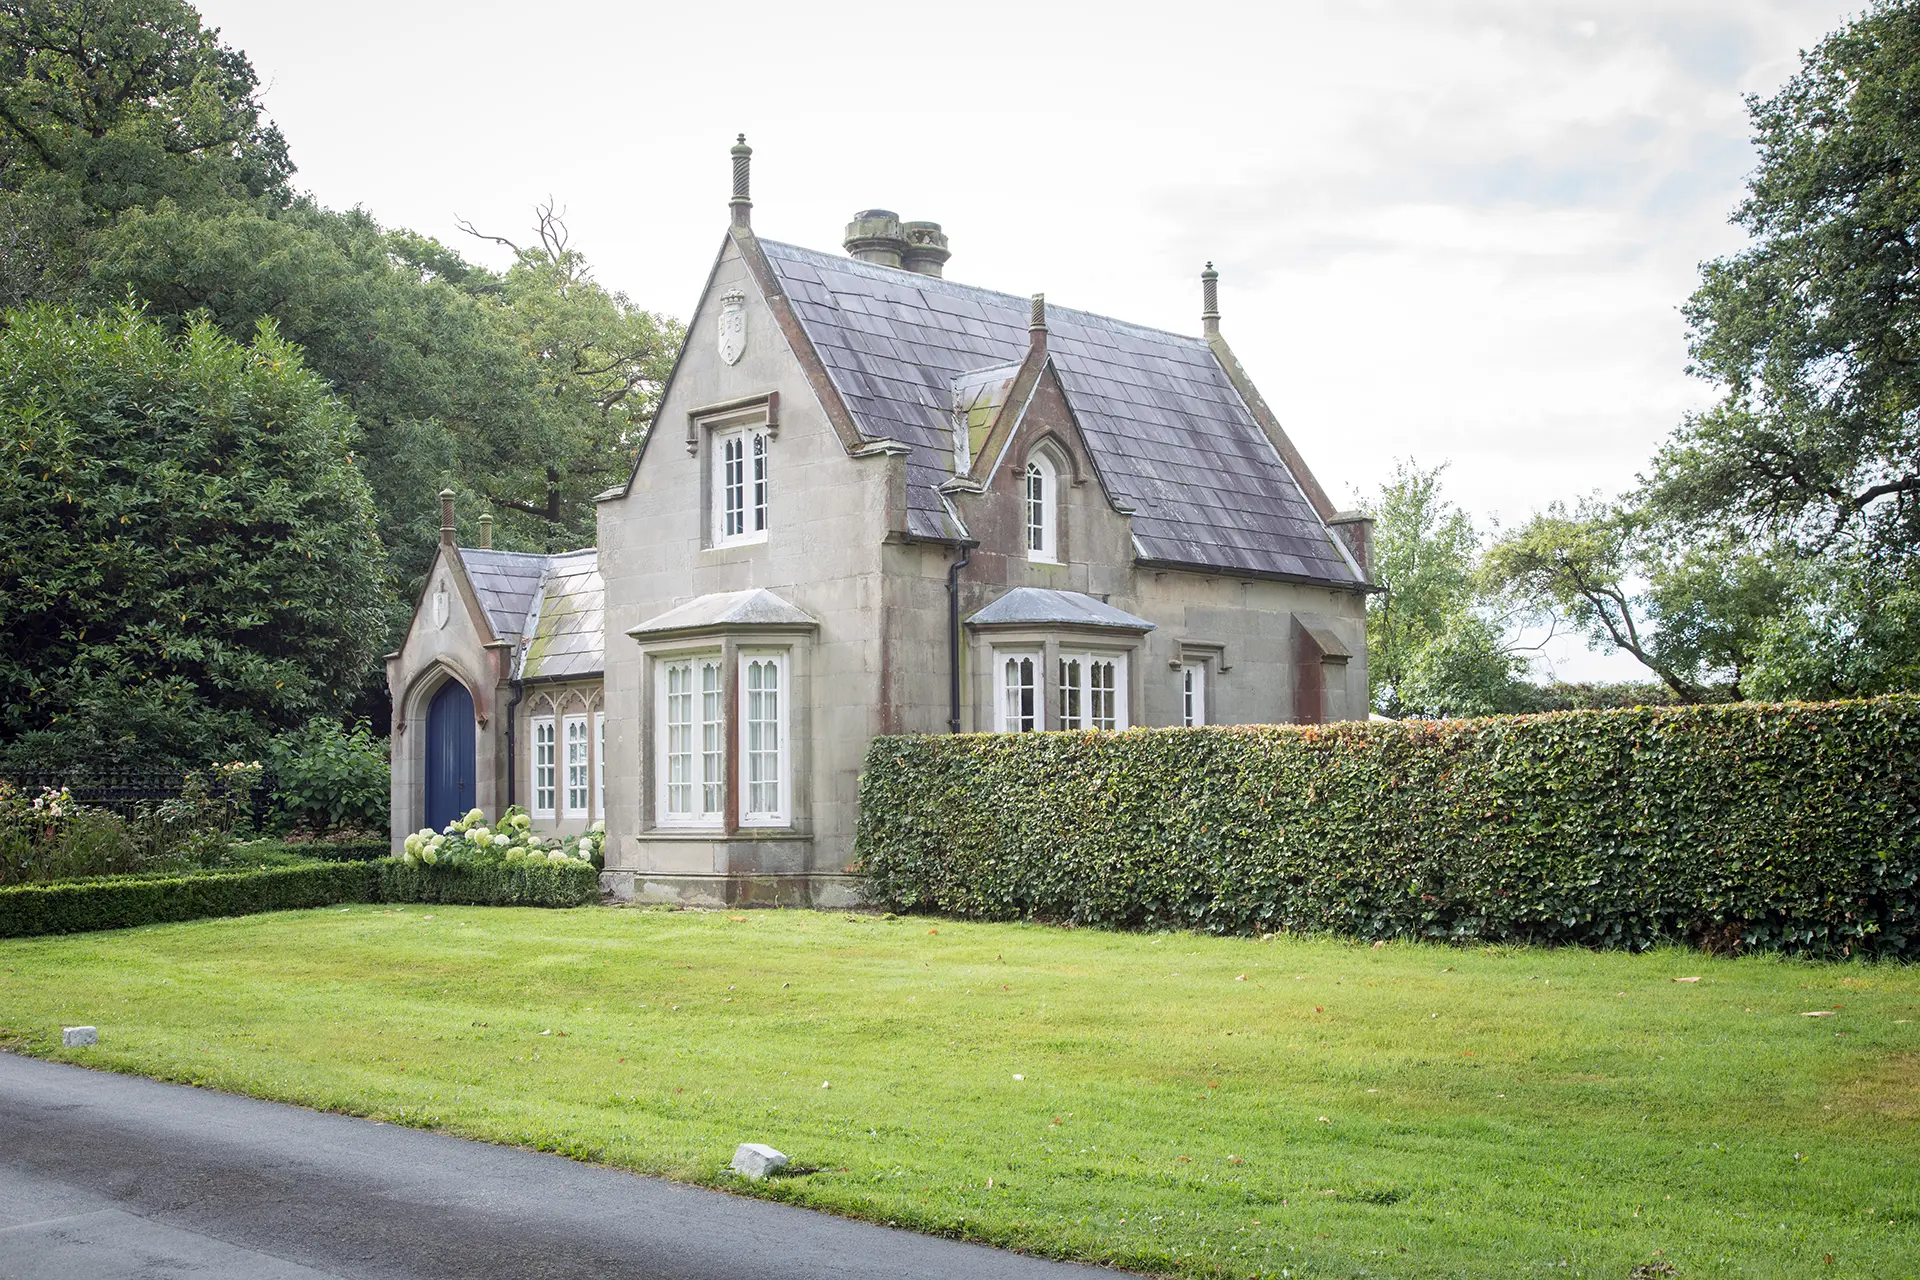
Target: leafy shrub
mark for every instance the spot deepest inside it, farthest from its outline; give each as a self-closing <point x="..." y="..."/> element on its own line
<point x="47" y="836"/>
<point x="356" y="850"/>
<point x="120" y="902"/>
<point x="469" y="841"/>
<point x="499" y="864"/>
<point x="327" y="778"/>
<point x="1792" y="827"/>
<point x="190" y="557"/>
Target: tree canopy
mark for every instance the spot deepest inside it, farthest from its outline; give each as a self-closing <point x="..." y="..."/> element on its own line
<point x="191" y="560"/>
<point x="1772" y="549"/>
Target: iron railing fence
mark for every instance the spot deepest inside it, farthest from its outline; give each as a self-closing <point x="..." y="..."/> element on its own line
<point x="123" y="790"/>
<point x="120" y="790"/>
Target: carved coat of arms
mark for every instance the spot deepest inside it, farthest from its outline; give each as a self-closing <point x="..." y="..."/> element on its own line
<point x="442" y="606"/>
<point x="733" y="325"/>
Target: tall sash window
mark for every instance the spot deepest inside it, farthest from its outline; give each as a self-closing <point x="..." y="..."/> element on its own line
<point x="763" y="746"/>
<point x="690" y="736"/>
<point x="574" y="730"/>
<point x="543" y="767"/>
<point x="742" y="482"/>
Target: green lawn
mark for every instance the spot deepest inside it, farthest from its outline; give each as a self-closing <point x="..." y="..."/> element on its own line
<point x="1167" y="1102"/>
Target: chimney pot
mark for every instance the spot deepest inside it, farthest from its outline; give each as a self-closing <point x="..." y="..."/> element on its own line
<point x="926" y="252"/>
<point x="875" y="236"/>
<point x="486" y="531"/>
<point x="742" y="203"/>
<point x="1210" y="301"/>
<point x="446" y="517"/>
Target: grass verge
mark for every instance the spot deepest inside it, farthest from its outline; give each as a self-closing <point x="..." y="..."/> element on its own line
<point x="1194" y="1105"/>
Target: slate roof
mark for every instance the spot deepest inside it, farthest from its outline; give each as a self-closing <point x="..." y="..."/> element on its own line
<point x="1169" y="434"/>
<point x="506" y="582"/>
<point x="553" y="606"/>
<point x="1039" y="606"/>
<point x="752" y="608"/>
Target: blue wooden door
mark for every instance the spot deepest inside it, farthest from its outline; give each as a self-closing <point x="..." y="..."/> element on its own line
<point x="450" y="790"/>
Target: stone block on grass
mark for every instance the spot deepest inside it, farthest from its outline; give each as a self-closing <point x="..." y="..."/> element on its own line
<point x="78" y="1037"/>
<point x="756" y="1160"/>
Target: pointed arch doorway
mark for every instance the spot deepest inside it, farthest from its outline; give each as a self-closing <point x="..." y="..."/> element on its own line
<point x="450" y="768"/>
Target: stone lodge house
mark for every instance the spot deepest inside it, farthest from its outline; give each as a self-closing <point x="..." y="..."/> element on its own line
<point x="874" y="501"/>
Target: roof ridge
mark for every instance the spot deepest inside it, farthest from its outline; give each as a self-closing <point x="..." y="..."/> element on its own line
<point x="920" y="281"/>
<point x="531" y="555"/>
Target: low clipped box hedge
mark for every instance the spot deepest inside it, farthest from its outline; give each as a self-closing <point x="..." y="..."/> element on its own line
<point x="499" y="884"/>
<point x="121" y="902"/>
<point x="1791" y="827"/>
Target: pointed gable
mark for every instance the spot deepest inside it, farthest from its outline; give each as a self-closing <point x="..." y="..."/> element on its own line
<point x="1169" y="434"/>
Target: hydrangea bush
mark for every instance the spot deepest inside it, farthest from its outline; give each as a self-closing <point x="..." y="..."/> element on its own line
<point x="472" y="841"/>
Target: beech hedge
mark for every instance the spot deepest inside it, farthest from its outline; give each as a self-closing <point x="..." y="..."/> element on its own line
<point x="121" y="902"/>
<point x="1789" y="827"/>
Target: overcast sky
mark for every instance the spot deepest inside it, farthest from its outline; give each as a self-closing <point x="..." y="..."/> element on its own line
<point x="1449" y="231"/>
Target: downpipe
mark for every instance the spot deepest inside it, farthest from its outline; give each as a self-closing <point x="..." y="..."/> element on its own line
<point x="953" y="635"/>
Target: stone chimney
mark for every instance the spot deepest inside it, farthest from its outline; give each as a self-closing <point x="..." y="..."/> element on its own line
<point x="486" y="531"/>
<point x="1355" y="528"/>
<point x="1210" y="302"/>
<point x="446" y="517"/>
<point x="1037" y="323"/>
<point x="742" y="202"/>
<point x="874" y="236"/>
<point x="926" y="251"/>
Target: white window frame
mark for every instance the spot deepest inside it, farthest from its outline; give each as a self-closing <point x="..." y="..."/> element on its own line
<point x="1193" y="694"/>
<point x="1040" y="509"/>
<point x="577" y="767"/>
<point x="600" y="764"/>
<point x="706" y="781"/>
<point x="755" y="790"/>
<point x="753" y="483"/>
<point x="541" y="780"/>
<point x="1087" y="701"/>
<point x="1019" y="700"/>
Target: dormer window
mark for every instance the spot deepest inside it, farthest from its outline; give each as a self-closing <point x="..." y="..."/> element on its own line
<point x="740" y="483"/>
<point x="1041" y="502"/>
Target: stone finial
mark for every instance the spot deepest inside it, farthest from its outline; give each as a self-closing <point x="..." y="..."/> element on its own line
<point x="1210" y="301"/>
<point x="486" y="531"/>
<point x="446" y="517"/>
<point x="1037" y="318"/>
<point x="742" y="202"/>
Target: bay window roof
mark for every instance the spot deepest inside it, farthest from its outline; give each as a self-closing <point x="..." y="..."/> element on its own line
<point x="1042" y="607"/>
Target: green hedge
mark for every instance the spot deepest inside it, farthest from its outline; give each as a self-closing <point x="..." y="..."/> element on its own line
<point x="1792" y="827"/>
<point x="329" y="850"/>
<point x="516" y="884"/>
<point x="120" y="902"/>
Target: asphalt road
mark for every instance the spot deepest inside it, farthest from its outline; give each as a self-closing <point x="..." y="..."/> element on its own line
<point x="107" y="1177"/>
